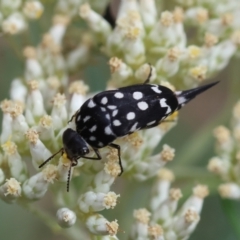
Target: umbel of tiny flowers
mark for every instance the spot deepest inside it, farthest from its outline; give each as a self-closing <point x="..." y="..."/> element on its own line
<point x="142" y="35"/>
<point x="42" y="101"/>
<point x="226" y="163"/>
<point x="31" y="135"/>
<point x="166" y="220"/>
<point x="34" y="135"/>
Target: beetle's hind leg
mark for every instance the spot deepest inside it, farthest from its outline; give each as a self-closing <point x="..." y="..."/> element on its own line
<point x="149" y="75"/>
<point x="74" y="115"/>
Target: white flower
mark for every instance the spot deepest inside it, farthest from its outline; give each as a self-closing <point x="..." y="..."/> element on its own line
<point x="169" y="64"/>
<point x="148" y="12"/>
<point x="66" y="217"/>
<point x="11" y="190"/>
<point x="104" y="179"/>
<point x="140" y="227"/>
<point x="6" y="107"/>
<point x="14" y="23"/>
<point x="91" y="201"/>
<point x="33" y="9"/>
<point x="98" y="225"/>
<point x="38" y="150"/>
<point x="2" y="175"/>
<point x="18" y="90"/>
<point x="229" y="190"/>
<point x="58" y="29"/>
<point x="59" y="112"/>
<point x="36" y="186"/>
<point x="160" y="190"/>
<point x="78" y="90"/>
<point x="33" y="69"/>
<point x="34" y="103"/>
<point x="15" y="163"/>
<point x="142" y="73"/>
<point x="80" y="55"/>
<point x="120" y="71"/>
<point x="95" y="21"/>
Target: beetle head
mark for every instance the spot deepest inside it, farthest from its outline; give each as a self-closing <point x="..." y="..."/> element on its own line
<point x="74" y="145"/>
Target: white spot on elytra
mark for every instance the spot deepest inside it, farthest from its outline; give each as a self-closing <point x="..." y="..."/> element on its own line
<point x="118" y="95"/>
<point x="116" y="123"/>
<point x="91" y="104"/>
<point x="134" y="127"/>
<point x="92" y="138"/>
<point x="137" y="95"/>
<point x="107" y="116"/>
<point x="181" y="100"/>
<point x="108" y="130"/>
<point x="103" y="109"/>
<point x="111" y="107"/>
<point x="104" y="100"/>
<point x="142" y="105"/>
<point x="156" y="89"/>
<point x="114" y="113"/>
<point x="163" y="104"/>
<point x="151" y="123"/>
<point x="100" y="144"/>
<point x="93" y="128"/>
<point x="78" y="118"/>
<point x="130" y="115"/>
<point x="86" y="118"/>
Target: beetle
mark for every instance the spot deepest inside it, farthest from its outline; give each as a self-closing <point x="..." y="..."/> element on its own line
<point x="115" y="113"/>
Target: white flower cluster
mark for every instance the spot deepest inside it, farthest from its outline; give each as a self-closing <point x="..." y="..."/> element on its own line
<point x="33" y="122"/>
<point x="226" y="164"/>
<point x="38" y="133"/>
<point x="165" y="221"/>
<point x="42" y="101"/>
<point x="141" y="36"/>
<point x="14" y="14"/>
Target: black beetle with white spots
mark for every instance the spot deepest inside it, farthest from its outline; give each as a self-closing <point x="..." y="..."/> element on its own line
<point x="115" y="113"/>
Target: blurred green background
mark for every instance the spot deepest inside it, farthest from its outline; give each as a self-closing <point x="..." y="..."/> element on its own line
<point x="192" y="138"/>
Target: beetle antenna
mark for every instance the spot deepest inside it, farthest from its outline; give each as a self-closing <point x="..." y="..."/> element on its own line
<point x="68" y="179"/>
<point x="50" y="158"/>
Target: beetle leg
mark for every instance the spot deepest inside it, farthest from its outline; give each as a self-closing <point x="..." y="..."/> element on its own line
<point x="149" y="75"/>
<point x="94" y="158"/>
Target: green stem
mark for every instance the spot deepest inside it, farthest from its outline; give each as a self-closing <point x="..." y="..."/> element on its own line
<point x="72" y="233"/>
<point x="191" y="172"/>
<point x="199" y="174"/>
<point x="232" y="209"/>
<point x="9" y="40"/>
<point x="44" y="216"/>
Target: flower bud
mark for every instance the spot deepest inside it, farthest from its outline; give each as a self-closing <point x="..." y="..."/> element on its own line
<point x="66" y="217"/>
